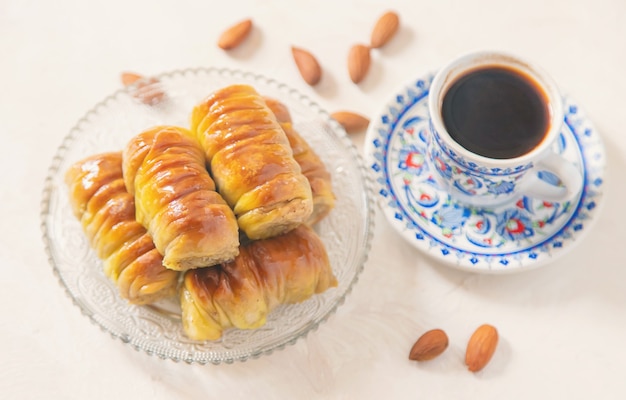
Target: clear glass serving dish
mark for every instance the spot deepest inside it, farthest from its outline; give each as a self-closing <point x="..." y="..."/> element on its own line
<point x="157" y="329"/>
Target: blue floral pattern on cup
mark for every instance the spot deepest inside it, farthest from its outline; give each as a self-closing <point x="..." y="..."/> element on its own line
<point x="469" y="179"/>
<point x="470" y="166"/>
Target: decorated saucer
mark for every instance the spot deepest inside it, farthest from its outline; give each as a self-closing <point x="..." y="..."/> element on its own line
<point x="524" y="234"/>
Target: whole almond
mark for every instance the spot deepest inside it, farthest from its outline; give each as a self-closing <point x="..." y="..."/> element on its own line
<point x="385" y="28"/>
<point x="147" y="90"/>
<point x="307" y="65"/>
<point x="128" y="78"/>
<point x="358" y="62"/>
<point x="429" y="345"/>
<point x="351" y="121"/>
<point x="233" y="36"/>
<point x="481" y="347"/>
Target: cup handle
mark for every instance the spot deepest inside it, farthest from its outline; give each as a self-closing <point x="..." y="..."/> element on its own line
<point x="568" y="182"/>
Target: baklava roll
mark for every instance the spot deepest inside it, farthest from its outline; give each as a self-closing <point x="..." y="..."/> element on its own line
<point x="251" y="161"/>
<point x="310" y="163"/>
<point x="285" y="269"/>
<point x="107" y="214"/>
<point x="175" y="199"/>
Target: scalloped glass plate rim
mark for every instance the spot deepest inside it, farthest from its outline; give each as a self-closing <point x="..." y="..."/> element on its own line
<point x="244" y="353"/>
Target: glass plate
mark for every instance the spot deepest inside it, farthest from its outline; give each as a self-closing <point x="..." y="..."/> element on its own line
<point x="157" y="330"/>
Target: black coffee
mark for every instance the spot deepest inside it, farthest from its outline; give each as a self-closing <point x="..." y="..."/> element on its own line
<point x="496" y="112"/>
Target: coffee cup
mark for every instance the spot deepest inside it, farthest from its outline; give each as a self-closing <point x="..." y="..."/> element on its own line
<point x="494" y="119"/>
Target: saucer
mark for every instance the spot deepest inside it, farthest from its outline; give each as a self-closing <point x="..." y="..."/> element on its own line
<point x="521" y="235"/>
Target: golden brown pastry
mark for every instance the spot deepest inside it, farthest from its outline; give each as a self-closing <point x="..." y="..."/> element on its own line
<point x="251" y="161"/>
<point x="107" y="214"/>
<point x="310" y="163"/>
<point x="190" y="223"/>
<point x="282" y="270"/>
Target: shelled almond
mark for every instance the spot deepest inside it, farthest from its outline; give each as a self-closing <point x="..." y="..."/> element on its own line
<point x="307" y="64"/>
<point x="235" y="35"/>
<point x="351" y="121"/>
<point x="430" y="345"/>
<point x="384" y="29"/>
<point x="358" y="62"/>
<point x="147" y="89"/>
<point x="480" y="348"/>
<point x="128" y="78"/>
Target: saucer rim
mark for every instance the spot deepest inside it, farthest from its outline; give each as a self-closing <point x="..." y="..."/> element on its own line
<point x="434" y="246"/>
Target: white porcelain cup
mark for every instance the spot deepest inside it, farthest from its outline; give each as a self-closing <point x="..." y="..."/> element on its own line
<point x="482" y="181"/>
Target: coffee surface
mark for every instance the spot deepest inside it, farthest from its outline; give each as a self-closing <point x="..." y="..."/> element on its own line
<point x="496" y="112"/>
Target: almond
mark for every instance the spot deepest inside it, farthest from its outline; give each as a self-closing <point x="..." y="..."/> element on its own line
<point x="128" y="78"/>
<point x="358" y="62"/>
<point x="233" y="36"/>
<point x="307" y="65"/>
<point x="147" y="90"/>
<point x="351" y="122"/>
<point x="429" y="345"/>
<point x="385" y="28"/>
<point x="481" y="347"/>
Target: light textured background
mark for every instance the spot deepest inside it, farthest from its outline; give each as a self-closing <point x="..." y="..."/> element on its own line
<point x="562" y="326"/>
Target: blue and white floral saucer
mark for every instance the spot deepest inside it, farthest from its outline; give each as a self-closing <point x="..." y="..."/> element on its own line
<point x="515" y="237"/>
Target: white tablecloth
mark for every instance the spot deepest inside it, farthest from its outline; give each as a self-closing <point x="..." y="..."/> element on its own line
<point x="562" y="327"/>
